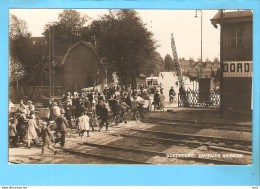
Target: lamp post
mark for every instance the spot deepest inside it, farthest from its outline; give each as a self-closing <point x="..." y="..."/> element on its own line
<point x="196" y="16"/>
<point x="221" y="64"/>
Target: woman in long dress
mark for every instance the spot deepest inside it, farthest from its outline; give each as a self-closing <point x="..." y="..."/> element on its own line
<point x="162" y="98"/>
<point x="31" y="132"/>
<point x="83" y="124"/>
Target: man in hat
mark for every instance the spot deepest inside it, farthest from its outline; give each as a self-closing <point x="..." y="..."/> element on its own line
<point x="102" y="112"/>
<point x="156" y="100"/>
<point x="68" y="111"/>
<point x="62" y="125"/>
<point x="103" y="115"/>
<point x="55" y="110"/>
<point x="171" y="94"/>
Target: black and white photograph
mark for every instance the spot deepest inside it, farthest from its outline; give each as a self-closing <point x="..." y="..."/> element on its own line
<point x="130" y="86"/>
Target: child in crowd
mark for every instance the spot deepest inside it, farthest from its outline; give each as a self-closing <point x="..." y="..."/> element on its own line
<point x="47" y="137"/>
<point x="12" y="133"/>
<point x="83" y="124"/>
<point x="31" y="131"/>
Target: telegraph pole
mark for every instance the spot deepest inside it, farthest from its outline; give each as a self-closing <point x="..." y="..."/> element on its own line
<point x="221" y="64"/>
<point x="50" y="62"/>
<point x="53" y="86"/>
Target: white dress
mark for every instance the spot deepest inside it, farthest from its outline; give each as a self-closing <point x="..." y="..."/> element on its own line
<point x="31" y="132"/>
<point x="83" y="123"/>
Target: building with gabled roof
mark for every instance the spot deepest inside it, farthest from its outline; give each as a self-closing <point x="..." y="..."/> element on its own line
<point x="237" y="54"/>
<point x="81" y="66"/>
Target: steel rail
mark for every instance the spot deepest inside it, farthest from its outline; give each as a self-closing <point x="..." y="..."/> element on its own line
<point x="202" y="126"/>
<point x="206" y="122"/>
<point x="188" y="143"/>
<point x="216" y="161"/>
<point x="237" y="141"/>
<point x="105" y="157"/>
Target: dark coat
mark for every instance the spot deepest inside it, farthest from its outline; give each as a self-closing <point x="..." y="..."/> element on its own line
<point x="104" y="112"/>
<point x="90" y="97"/>
<point x="98" y="109"/>
<point x="87" y="105"/>
<point x="62" y="123"/>
<point x="172" y="92"/>
<point x="68" y="110"/>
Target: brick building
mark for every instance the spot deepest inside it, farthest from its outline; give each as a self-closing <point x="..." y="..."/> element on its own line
<point x="80" y="66"/>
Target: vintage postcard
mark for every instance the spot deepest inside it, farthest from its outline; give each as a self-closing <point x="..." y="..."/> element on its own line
<point x="121" y="86"/>
<point x="161" y="92"/>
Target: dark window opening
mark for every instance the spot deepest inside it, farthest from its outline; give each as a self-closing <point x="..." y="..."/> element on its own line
<point x="236" y="38"/>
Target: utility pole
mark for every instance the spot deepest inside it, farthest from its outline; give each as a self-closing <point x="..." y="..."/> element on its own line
<point x="53" y="86"/>
<point x="50" y="61"/>
<point x="221" y="64"/>
<point x="201" y="16"/>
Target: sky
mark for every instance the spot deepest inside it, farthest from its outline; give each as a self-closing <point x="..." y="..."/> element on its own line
<point x="185" y="27"/>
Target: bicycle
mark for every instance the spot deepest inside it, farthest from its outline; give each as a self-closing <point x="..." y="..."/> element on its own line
<point x="125" y="116"/>
<point x="142" y="114"/>
<point x="117" y="119"/>
<point x="171" y="99"/>
<point x="110" y="117"/>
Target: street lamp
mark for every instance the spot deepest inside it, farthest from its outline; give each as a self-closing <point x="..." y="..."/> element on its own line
<point x="196" y="16"/>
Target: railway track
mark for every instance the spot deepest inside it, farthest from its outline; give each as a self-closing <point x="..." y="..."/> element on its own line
<point x="127" y="155"/>
<point x="191" y="144"/>
<point x="137" y="156"/>
<point x="189" y="139"/>
<point x="202" y="125"/>
<point x="200" y="139"/>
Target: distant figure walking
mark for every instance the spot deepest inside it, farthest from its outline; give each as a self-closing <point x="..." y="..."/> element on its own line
<point x="62" y="125"/>
<point x="162" y="103"/>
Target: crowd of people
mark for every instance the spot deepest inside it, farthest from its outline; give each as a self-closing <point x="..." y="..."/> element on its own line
<point x="83" y="112"/>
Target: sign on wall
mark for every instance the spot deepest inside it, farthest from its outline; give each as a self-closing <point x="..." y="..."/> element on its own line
<point x="237" y="68"/>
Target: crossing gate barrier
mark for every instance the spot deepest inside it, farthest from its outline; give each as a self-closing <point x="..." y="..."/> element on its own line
<point x="199" y="99"/>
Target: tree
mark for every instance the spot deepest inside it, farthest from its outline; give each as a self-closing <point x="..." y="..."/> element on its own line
<point x="68" y="30"/>
<point x="123" y="40"/>
<point x="20" y="46"/>
<point x="16" y="71"/>
<point x="216" y="60"/>
<point x="168" y="63"/>
<point x="207" y="60"/>
<point x="155" y="66"/>
<point x="71" y="24"/>
<point x="17" y="28"/>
